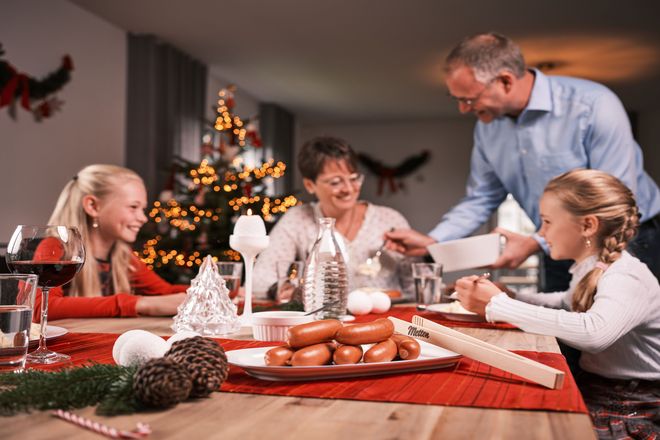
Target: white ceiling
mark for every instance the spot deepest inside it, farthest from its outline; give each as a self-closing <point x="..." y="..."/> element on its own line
<point x="361" y="60"/>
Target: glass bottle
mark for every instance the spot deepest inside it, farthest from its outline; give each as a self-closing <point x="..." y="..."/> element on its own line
<point x="325" y="283"/>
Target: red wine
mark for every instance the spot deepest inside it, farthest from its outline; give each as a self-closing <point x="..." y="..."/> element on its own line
<point x="51" y="273"/>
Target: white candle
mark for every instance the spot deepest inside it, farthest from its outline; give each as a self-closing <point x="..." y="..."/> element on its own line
<point x="250" y="225"/>
<point x="249" y="238"/>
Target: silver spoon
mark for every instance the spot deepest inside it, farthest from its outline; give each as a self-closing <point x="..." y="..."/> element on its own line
<point x="371" y="267"/>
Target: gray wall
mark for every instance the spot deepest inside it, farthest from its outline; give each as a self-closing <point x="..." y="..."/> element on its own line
<point x="438" y="184"/>
<point x="37" y="159"/>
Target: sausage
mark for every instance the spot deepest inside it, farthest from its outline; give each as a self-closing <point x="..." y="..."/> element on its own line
<point x="278" y="356"/>
<point x="382" y="352"/>
<point x="317" y="354"/>
<point x="312" y="333"/>
<point x="347" y="354"/>
<point x="367" y="333"/>
<point x="407" y="347"/>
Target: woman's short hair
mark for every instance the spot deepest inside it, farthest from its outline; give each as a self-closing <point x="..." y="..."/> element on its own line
<point x="314" y="153"/>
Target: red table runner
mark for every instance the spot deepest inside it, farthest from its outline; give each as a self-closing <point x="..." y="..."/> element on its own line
<point x="468" y="383"/>
<point x="406" y="313"/>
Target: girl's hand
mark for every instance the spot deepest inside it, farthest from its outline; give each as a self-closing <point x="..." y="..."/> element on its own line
<point x="475" y="293"/>
<point x="160" y="305"/>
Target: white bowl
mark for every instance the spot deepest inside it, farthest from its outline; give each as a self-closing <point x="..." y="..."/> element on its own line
<point x="272" y="326"/>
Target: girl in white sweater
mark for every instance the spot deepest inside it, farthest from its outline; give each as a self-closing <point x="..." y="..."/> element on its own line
<point x="611" y="311"/>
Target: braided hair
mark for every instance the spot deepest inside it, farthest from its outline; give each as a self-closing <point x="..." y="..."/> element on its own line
<point x="593" y="192"/>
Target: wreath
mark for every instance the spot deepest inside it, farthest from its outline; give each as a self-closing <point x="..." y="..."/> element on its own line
<point x="389" y="174"/>
<point x="17" y="86"/>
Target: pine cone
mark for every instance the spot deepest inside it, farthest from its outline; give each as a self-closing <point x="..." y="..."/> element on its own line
<point x="205" y="360"/>
<point x="161" y="383"/>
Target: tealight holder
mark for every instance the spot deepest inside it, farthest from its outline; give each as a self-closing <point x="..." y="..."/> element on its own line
<point x="249" y="247"/>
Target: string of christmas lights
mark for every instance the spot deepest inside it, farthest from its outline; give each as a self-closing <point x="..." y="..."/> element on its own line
<point x="195" y="214"/>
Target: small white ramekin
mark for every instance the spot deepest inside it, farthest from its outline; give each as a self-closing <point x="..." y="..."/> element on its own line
<point x="272" y="326"/>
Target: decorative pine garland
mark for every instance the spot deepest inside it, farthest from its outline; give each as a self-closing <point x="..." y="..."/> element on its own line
<point x="15" y="85"/>
<point x="107" y="385"/>
<point x="193" y="367"/>
<point x="388" y="174"/>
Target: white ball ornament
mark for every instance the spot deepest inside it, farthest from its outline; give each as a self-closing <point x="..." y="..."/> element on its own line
<point x="140" y="348"/>
<point x="181" y="336"/>
<point x="359" y="302"/>
<point x="123" y="338"/>
<point x="381" y="302"/>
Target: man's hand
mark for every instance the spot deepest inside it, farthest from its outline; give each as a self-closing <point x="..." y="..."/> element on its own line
<point x="408" y="242"/>
<point x="518" y="248"/>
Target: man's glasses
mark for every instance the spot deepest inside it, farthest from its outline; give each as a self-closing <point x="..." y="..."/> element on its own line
<point x="337" y="183"/>
<point x="474" y="99"/>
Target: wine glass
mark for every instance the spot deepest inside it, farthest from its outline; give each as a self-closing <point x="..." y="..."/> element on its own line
<point x="55" y="254"/>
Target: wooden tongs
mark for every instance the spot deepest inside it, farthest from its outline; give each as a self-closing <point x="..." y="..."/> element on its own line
<point x="481" y="351"/>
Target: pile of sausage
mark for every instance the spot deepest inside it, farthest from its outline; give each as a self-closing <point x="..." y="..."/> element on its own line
<point x="328" y="341"/>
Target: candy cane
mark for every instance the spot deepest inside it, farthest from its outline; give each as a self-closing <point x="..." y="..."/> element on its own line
<point x="142" y="430"/>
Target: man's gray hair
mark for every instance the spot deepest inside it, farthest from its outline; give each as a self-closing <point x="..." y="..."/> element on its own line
<point x="487" y="54"/>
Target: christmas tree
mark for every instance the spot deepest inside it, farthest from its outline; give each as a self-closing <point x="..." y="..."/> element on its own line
<point x="196" y="212"/>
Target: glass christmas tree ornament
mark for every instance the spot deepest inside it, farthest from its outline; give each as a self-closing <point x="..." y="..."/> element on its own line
<point x="207" y="309"/>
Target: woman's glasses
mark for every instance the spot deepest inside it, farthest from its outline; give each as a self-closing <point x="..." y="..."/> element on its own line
<point x="336" y="184"/>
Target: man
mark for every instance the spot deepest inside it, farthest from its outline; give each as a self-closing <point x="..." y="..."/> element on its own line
<point x="530" y="128"/>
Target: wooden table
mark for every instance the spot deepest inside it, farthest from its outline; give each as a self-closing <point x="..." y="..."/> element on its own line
<point x="249" y="416"/>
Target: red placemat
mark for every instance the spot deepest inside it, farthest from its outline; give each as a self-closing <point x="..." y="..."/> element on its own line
<point x="468" y="383"/>
<point x="406" y="313"/>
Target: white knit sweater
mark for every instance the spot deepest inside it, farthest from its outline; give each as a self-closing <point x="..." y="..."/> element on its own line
<point x="295" y="233"/>
<point x="619" y="336"/>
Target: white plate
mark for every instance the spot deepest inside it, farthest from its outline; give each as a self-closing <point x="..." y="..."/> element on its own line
<point x="452" y="312"/>
<point x="252" y="361"/>
<point x="467" y="253"/>
<point x="52" y="332"/>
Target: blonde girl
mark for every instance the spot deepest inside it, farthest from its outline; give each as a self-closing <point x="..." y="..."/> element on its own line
<point x="611" y="311"/>
<point x="106" y="203"/>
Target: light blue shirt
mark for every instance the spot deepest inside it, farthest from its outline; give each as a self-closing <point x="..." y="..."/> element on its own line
<point x="568" y="123"/>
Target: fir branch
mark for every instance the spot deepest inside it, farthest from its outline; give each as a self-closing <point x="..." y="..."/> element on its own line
<point x="121" y="397"/>
<point x="65" y="389"/>
<point x="291" y="306"/>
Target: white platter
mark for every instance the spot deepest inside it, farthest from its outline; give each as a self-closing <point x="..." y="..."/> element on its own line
<point x="252" y="361"/>
<point x="452" y="312"/>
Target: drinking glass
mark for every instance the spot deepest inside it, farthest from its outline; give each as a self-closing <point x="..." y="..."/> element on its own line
<point x="289" y="274"/>
<point x="231" y="272"/>
<point x="16" y="303"/>
<point x="55" y="254"/>
<point x="428" y="283"/>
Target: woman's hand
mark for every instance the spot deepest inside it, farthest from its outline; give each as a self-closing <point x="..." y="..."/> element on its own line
<point x="285" y="293"/>
<point x="160" y="305"/>
<point x="475" y="293"/>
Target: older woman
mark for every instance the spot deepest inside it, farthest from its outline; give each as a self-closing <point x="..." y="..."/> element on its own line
<point x="330" y="172"/>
